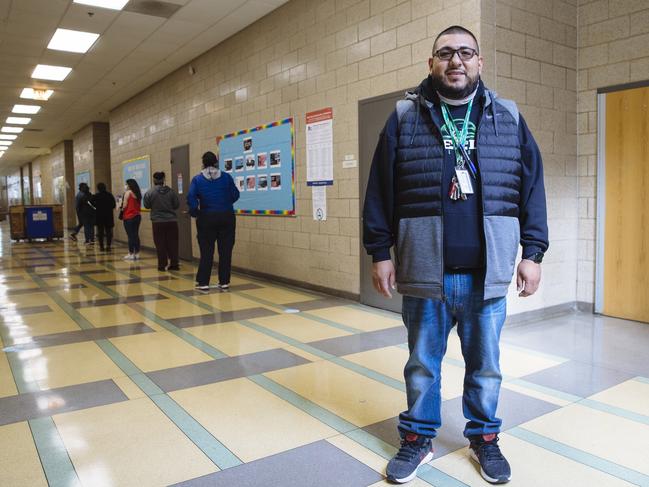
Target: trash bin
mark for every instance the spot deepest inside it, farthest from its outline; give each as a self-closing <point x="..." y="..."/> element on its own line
<point x="39" y="222"/>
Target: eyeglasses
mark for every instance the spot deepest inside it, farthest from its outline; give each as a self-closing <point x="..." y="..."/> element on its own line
<point x="446" y="54"/>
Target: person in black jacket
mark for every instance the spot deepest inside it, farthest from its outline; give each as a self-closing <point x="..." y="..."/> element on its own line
<point x="86" y="212"/>
<point x="104" y="202"/>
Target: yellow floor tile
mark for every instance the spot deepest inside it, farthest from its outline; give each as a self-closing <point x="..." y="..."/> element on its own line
<point x="7" y="384"/>
<point x="150" y="273"/>
<point x="28" y="300"/>
<point x="66" y="280"/>
<point x="300" y="328"/>
<point x="301" y="353"/>
<point x="21" y="465"/>
<point x="534" y="393"/>
<point x="41" y="324"/>
<point x="358" y="399"/>
<point x="84" y="294"/>
<point x="631" y="395"/>
<point x="133" y="289"/>
<point x="177" y="285"/>
<point x="594" y="432"/>
<point x="107" y="276"/>
<point x="277" y="295"/>
<point x="234" y="339"/>
<point x="160" y="350"/>
<point x="357" y="318"/>
<point x="227" y="301"/>
<point x="129" y="388"/>
<point x="276" y="426"/>
<point x="66" y="365"/>
<point x="532" y="466"/>
<point x="111" y="315"/>
<point x="131" y="443"/>
<point x="517" y="363"/>
<point x="173" y="308"/>
<point x="25" y="284"/>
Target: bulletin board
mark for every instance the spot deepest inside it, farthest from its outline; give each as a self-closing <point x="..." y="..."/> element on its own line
<point x="261" y="160"/>
<point x="82" y="177"/>
<point x="139" y="169"/>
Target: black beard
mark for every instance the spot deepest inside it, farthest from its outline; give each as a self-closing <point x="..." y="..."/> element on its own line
<point x="454" y="93"/>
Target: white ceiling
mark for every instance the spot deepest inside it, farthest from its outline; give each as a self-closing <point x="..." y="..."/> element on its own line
<point x="133" y="52"/>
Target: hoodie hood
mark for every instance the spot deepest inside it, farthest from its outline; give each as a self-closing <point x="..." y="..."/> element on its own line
<point x="211" y="173"/>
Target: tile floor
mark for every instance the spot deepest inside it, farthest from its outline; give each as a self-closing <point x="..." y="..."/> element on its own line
<point x="114" y="374"/>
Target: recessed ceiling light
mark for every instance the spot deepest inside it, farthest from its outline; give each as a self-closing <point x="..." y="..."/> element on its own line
<point x="18" y="120"/>
<point x="32" y="94"/>
<point x="8" y="137"/>
<point x="30" y="109"/>
<point x="72" y="40"/>
<point x="11" y="130"/>
<point x="54" y="73"/>
<point x="112" y="4"/>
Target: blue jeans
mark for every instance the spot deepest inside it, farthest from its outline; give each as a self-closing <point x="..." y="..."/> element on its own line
<point x="132" y="227"/>
<point x="429" y="323"/>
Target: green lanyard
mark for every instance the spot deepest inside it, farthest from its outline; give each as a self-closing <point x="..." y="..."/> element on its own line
<point x="459" y="138"/>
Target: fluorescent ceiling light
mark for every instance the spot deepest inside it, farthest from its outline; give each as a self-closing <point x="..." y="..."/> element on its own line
<point x="112" y="4"/>
<point x="8" y="137"/>
<point x="54" y="73"/>
<point x="33" y="94"/>
<point x="4" y="148"/>
<point x="30" y="109"/>
<point x="6" y="142"/>
<point x="11" y="130"/>
<point x="72" y="40"/>
<point x="18" y="120"/>
<point x="2" y="154"/>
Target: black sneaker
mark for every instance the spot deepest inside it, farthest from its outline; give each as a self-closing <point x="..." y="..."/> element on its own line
<point x="202" y="289"/>
<point x="494" y="467"/>
<point x="415" y="451"/>
<point x="73" y="237"/>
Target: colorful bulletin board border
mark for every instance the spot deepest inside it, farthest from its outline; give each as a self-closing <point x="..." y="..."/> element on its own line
<point x="138" y="168"/>
<point x="242" y="153"/>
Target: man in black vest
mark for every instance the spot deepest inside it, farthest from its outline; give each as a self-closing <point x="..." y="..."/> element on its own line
<point x="456" y="185"/>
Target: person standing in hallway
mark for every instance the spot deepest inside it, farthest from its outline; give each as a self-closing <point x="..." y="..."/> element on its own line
<point x="86" y="212"/>
<point x="104" y="202"/>
<point x="163" y="203"/>
<point x="212" y="194"/>
<point x="456" y="184"/>
<point x="77" y="198"/>
<point x="131" y="203"/>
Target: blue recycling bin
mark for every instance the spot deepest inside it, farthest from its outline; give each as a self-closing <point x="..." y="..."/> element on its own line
<point x="40" y="222"/>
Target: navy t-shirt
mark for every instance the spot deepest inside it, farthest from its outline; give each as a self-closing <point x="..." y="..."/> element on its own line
<point x="463" y="229"/>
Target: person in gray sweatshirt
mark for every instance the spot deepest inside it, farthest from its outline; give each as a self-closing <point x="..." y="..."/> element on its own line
<point x="163" y="203"/>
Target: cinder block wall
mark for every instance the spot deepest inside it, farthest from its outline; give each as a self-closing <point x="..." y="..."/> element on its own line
<point x="308" y="54"/>
<point x="613" y="49"/>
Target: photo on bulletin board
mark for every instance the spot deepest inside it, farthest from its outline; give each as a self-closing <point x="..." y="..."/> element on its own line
<point x="262" y="163"/>
<point x="139" y="169"/>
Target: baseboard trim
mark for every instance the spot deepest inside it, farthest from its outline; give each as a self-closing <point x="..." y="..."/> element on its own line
<point x="544" y="313"/>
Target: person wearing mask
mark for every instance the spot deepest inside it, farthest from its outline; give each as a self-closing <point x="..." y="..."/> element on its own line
<point x="86" y="213"/>
<point x="211" y="196"/>
<point x="131" y="202"/>
<point x="163" y="203"/>
<point x="104" y="202"/>
<point x="77" y="198"/>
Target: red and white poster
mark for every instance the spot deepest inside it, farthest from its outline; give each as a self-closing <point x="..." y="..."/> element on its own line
<point x="319" y="148"/>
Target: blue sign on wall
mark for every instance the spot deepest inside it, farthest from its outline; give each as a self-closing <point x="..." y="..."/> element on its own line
<point x="261" y="160"/>
<point x="138" y="169"/>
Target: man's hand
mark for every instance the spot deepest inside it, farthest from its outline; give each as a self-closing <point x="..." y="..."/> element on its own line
<point x="383" y="276"/>
<point x="528" y="277"/>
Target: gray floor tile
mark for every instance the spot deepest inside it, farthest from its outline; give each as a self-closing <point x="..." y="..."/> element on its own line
<point x="513" y="409"/>
<point x="224" y="369"/>
<point x="78" y="336"/>
<point x="221" y="317"/>
<point x="317" y="304"/>
<point x="578" y="378"/>
<point x="319" y="464"/>
<point x="362" y="342"/>
<point x="30" y="406"/>
<point x="120" y="300"/>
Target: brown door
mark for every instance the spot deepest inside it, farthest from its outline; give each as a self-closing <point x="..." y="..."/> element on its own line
<point x="626" y="247"/>
<point x="180" y="184"/>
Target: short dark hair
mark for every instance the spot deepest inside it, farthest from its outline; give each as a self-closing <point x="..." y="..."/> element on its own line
<point x="457" y="29"/>
<point x="83" y="186"/>
<point x="101" y="187"/>
<point x="158" y="177"/>
<point x="210" y="159"/>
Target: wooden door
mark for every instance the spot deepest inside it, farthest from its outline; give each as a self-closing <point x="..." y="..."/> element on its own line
<point x="626" y="248"/>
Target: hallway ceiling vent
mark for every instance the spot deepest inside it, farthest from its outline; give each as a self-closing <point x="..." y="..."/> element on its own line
<point x="155" y="8"/>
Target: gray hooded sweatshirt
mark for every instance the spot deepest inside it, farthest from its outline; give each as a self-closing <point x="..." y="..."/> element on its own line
<point x="163" y="203"/>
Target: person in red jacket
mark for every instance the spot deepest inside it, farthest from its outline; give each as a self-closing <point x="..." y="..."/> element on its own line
<point x="131" y="204"/>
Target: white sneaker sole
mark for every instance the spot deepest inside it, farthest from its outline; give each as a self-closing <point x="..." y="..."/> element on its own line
<point x="474" y="457"/>
<point x="426" y="459"/>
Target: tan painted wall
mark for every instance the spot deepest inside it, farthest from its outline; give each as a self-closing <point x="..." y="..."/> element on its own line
<point x="614" y="49"/>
